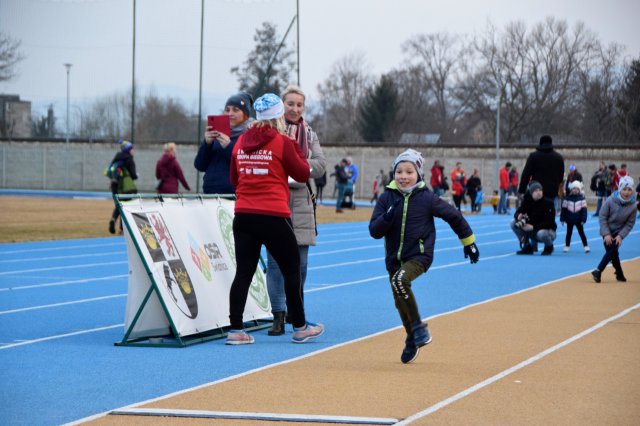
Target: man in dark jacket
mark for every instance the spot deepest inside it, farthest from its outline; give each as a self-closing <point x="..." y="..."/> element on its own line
<point x="545" y="166"/>
<point x="535" y="221"/>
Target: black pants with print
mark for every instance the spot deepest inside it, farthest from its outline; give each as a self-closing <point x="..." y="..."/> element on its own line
<point x="403" y="295"/>
<point x="250" y="232"/>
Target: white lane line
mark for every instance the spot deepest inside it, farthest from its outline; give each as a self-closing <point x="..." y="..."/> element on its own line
<point x="515" y="368"/>
<point x="57" y="268"/>
<point x="74" y="256"/>
<point x="439" y="228"/>
<point x="86" y="280"/>
<point x="55" y="305"/>
<point x="59" y="336"/>
<point x="58" y="248"/>
<point x="379" y="277"/>
<point x="330" y="286"/>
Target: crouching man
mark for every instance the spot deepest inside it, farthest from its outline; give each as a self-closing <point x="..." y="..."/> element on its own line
<point x="535" y="221"/>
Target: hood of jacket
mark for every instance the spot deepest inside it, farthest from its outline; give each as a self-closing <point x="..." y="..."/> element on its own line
<point x="617" y="197"/>
<point x="257" y="137"/>
<point x="166" y="160"/>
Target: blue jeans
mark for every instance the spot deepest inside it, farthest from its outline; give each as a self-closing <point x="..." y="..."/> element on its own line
<point x="601" y="196"/>
<point x="545" y="236"/>
<point x="610" y="255"/>
<point x="502" y="205"/>
<point x="275" y="280"/>
<point x="342" y="187"/>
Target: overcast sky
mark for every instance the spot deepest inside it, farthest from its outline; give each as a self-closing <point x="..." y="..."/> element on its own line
<point x="96" y="37"/>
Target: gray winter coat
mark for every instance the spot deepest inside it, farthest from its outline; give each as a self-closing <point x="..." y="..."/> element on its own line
<point x="617" y="216"/>
<point x="300" y="204"/>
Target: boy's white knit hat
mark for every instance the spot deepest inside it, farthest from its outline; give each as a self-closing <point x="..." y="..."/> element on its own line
<point x="625" y="182"/>
<point x="412" y="156"/>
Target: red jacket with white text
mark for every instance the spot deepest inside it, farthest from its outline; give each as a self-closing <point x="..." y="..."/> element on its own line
<point x="261" y="162"/>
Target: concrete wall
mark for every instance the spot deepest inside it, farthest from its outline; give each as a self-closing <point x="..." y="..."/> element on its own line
<point x="35" y="165"/>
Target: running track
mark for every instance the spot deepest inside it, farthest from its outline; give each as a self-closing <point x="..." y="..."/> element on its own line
<point x="62" y="308"/>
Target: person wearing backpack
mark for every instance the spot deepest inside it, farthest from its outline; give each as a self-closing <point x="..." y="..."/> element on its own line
<point x="122" y="173"/>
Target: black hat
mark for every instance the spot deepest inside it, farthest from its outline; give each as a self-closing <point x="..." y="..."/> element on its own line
<point x="241" y="100"/>
<point x="545" y="142"/>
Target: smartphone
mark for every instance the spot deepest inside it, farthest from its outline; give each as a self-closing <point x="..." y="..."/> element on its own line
<point x="220" y="123"/>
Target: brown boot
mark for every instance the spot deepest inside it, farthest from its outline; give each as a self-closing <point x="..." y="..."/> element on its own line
<point x="277" y="329"/>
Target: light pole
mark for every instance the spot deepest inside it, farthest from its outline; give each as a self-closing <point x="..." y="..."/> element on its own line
<point x="298" y="38"/>
<point x="498" y="141"/>
<point x="66" y="145"/>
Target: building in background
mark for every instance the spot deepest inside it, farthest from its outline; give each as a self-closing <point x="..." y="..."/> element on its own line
<point x="15" y="117"/>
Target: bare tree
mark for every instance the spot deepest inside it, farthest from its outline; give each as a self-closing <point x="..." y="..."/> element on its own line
<point x="600" y="81"/>
<point x="10" y="56"/>
<point x="441" y="62"/>
<point x="535" y="74"/>
<point x="628" y="103"/>
<point x="340" y="95"/>
<point x="109" y="117"/>
<point x="163" y="119"/>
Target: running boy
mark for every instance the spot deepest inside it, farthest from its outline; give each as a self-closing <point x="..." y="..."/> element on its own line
<point x="617" y="217"/>
<point x="404" y="217"/>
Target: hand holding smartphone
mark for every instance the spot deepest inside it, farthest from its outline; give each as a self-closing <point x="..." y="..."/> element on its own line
<point x="220" y="123"/>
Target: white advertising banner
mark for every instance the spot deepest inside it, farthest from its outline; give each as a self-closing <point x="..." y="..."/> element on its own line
<point x="186" y="247"/>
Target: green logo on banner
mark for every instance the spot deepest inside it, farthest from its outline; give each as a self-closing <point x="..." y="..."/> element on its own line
<point x="258" y="288"/>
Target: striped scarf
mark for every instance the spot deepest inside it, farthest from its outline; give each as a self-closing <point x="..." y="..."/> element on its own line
<point x="293" y="130"/>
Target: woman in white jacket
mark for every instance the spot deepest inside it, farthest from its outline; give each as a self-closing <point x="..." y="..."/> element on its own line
<point x="300" y="202"/>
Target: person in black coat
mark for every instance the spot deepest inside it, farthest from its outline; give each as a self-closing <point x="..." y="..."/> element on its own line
<point x="545" y="166"/>
<point x="473" y="186"/>
<point x="535" y="221"/>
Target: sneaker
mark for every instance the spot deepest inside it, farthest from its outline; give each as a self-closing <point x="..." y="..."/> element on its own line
<point x="112" y="226"/>
<point x="421" y="335"/>
<point x="238" y="337"/>
<point x="310" y="331"/>
<point x="587" y="249"/>
<point x="566" y="249"/>
<point x="620" y="277"/>
<point x="525" y="250"/>
<point x="410" y="351"/>
<point x="596" y="275"/>
<point x="547" y="251"/>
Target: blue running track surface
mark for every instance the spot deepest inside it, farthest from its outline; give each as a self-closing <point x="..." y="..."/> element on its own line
<point x="62" y="309"/>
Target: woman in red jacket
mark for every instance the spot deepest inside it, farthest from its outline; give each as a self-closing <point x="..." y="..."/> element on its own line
<point x="169" y="172"/>
<point x="262" y="160"/>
